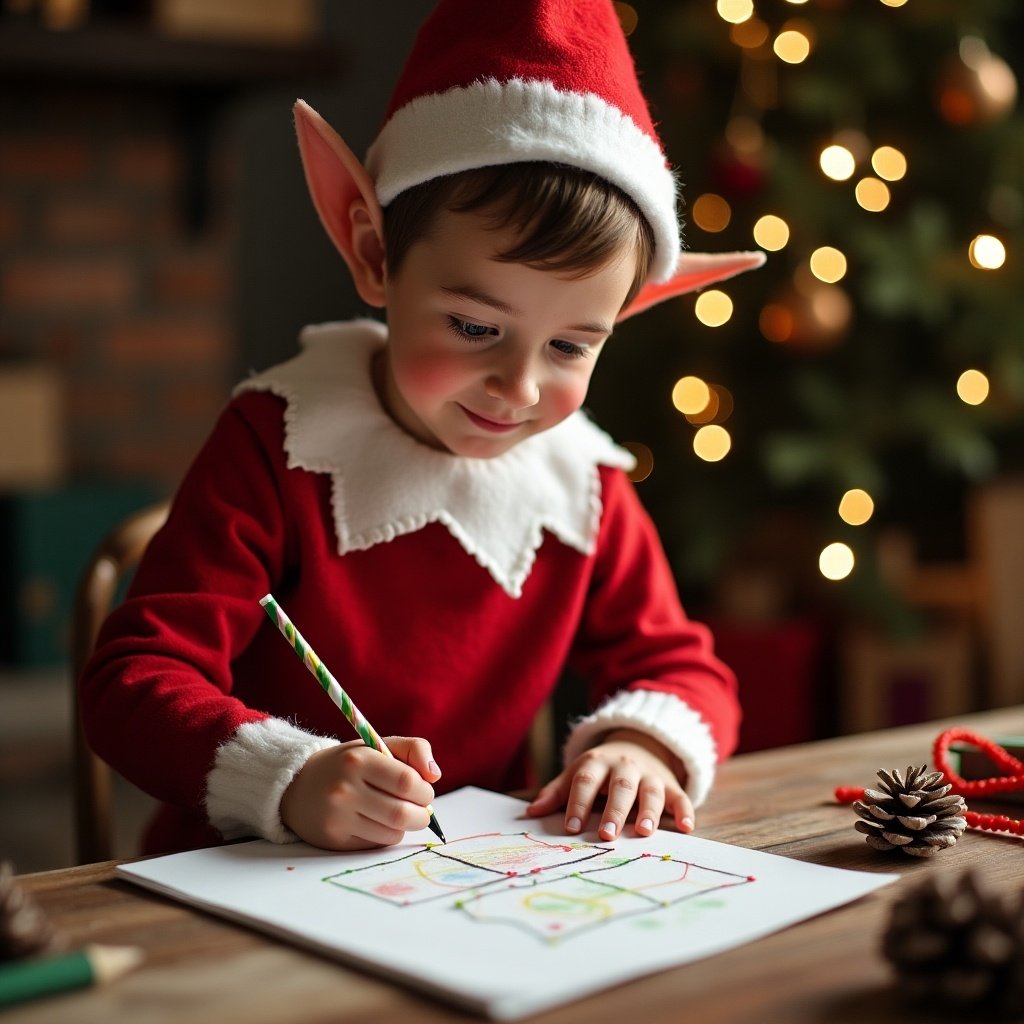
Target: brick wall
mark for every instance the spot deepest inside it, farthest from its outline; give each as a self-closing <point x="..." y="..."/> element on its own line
<point x="102" y="280"/>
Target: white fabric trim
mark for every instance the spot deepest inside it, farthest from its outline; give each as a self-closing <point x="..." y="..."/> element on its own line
<point x="663" y="716"/>
<point x="492" y="122"/>
<point x="385" y="483"/>
<point x="250" y="774"/>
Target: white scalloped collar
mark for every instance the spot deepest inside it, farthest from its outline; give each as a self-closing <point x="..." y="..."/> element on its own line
<point x="386" y="483"/>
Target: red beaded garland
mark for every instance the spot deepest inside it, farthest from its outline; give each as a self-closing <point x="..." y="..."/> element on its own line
<point x="1011" y="781"/>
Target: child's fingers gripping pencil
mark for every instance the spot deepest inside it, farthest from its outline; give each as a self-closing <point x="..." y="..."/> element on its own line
<point x="332" y="688"/>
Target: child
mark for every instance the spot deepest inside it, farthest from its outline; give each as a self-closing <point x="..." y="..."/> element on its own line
<point x="425" y="499"/>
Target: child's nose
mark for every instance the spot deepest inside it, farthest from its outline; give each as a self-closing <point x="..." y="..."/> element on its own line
<point x="514" y="383"/>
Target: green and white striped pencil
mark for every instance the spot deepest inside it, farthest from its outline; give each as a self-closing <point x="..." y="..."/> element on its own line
<point x="332" y="688"/>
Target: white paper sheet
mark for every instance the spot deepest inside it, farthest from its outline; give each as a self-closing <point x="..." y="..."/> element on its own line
<point x="511" y="916"/>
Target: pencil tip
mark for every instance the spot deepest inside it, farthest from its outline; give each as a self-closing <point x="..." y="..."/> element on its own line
<point x="436" y="829"/>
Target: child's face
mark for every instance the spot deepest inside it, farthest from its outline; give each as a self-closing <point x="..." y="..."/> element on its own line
<point x="483" y="354"/>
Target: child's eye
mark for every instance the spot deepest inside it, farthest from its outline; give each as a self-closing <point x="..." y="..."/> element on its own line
<point x="468" y="329"/>
<point x="568" y="349"/>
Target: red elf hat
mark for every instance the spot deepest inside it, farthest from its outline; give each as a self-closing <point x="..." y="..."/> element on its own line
<point x="523" y="80"/>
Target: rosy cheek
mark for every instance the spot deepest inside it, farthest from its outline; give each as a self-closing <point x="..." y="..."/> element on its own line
<point x="567" y="398"/>
<point x="434" y="375"/>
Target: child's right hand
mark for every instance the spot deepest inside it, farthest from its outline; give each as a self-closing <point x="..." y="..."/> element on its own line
<point x="352" y="797"/>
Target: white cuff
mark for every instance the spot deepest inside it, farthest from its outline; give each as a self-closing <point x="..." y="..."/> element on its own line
<point x="250" y="774"/>
<point x="665" y="717"/>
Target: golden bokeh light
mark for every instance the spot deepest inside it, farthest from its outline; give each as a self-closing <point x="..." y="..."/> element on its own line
<point x="828" y="264"/>
<point x="745" y="135"/>
<point x="771" y="232"/>
<point x="776" y="322"/>
<point x="711" y="212"/>
<point x="889" y="163"/>
<point x="644" y="460"/>
<point x="628" y="17"/>
<point x="750" y="34"/>
<point x="986" y="252"/>
<point x="792" y="45"/>
<point x="712" y="443"/>
<point x="836" y="561"/>
<point x="894" y="3"/>
<point x="856" y="507"/>
<point x="718" y="409"/>
<point x="690" y="395"/>
<point x="972" y="387"/>
<point x="734" y="11"/>
<point x="872" y="195"/>
<point x="837" y="162"/>
<point x="713" y="308"/>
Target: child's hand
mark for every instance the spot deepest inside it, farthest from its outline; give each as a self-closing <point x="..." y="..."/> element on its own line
<point x="352" y="797"/>
<point x="630" y="767"/>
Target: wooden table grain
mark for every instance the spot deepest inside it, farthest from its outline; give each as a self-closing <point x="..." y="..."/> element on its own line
<point x="201" y="969"/>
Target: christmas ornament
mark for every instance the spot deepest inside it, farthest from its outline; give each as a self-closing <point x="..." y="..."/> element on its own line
<point x="953" y="944"/>
<point x="24" y="929"/>
<point x="911" y="814"/>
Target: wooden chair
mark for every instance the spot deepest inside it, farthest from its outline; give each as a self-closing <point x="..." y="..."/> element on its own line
<point x="115" y="557"/>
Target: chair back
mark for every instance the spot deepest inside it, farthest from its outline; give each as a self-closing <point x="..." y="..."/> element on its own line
<point x="98" y="587"/>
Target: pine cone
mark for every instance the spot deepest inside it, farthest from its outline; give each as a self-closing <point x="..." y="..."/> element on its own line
<point x="913" y="815"/>
<point x="23" y="928"/>
<point x="951" y="943"/>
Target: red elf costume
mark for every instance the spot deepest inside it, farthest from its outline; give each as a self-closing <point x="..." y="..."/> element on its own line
<point x="447" y="594"/>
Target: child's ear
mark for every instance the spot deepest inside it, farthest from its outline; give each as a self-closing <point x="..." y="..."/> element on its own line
<point x="345" y="200"/>
<point x="693" y="271"/>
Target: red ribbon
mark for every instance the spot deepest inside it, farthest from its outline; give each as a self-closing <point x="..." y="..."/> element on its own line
<point x="1010" y="779"/>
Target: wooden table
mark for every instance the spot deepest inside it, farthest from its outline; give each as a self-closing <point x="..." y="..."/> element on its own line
<point x="201" y="969"/>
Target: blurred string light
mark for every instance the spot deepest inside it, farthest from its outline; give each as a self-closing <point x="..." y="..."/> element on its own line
<point x="712" y="443"/>
<point x="644" y="460"/>
<point x="972" y="387"/>
<point x="751" y="34"/>
<point x="856" y="507"/>
<point x="718" y="409"/>
<point x="894" y="3"/>
<point x="828" y="264"/>
<point x="771" y="232"/>
<point x="734" y="11"/>
<point x="794" y="42"/>
<point x="836" y="561"/>
<point x="986" y="252"/>
<point x="628" y="17"/>
<point x="837" y="162"/>
<point x="713" y="308"/>
<point x="711" y="212"/>
<point x="691" y="395"/>
<point x="872" y="195"/>
<point x="889" y="163"/>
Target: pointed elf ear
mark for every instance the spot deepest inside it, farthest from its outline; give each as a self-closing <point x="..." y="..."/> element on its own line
<point x="693" y="271"/>
<point x="337" y="181"/>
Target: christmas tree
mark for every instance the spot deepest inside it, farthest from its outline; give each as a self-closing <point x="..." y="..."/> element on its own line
<point x="873" y="371"/>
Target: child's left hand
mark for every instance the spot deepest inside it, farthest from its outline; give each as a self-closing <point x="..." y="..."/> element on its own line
<point x="630" y="767"/>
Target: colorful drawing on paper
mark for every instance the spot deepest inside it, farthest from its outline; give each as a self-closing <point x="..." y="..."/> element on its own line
<point x="551" y="890"/>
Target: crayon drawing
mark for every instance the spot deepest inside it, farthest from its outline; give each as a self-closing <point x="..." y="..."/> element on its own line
<point x="552" y="890"/>
<point x="514" y="917"/>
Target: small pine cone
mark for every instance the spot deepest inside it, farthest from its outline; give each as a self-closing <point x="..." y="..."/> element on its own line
<point x="955" y="945"/>
<point x="24" y="929"/>
<point x="913" y="815"/>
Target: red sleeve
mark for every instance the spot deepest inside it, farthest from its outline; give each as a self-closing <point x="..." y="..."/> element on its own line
<point x="156" y="696"/>
<point x="635" y="635"/>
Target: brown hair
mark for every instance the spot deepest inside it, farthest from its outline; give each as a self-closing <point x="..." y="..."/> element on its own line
<point x="565" y="219"/>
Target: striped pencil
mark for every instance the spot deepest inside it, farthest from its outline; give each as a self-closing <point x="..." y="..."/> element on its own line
<point x="332" y="688"/>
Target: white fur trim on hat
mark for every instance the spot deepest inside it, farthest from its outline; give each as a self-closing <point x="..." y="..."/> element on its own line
<point x="491" y="122"/>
